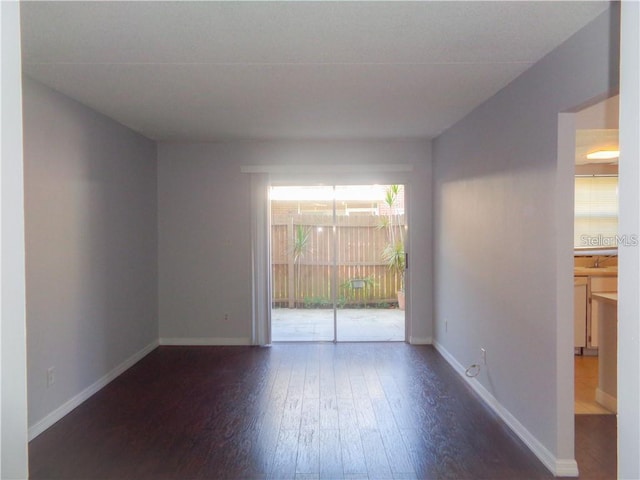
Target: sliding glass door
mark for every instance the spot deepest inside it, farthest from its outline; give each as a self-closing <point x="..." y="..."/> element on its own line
<point x="337" y="263"/>
<point x="302" y="251"/>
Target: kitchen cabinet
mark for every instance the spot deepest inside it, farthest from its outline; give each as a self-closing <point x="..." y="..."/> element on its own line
<point x="580" y="312"/>
<point x="591" y="274"/>
<point x="606" y="304"/>
<point x="597" y="284"/>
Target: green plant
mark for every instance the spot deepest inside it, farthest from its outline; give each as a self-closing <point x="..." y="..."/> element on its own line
<point x="394" y="228"/>
<point x="301" y="238"/>
<point x="393" y="253"/>
<point x="317" y="302"/>
<point x="349" y="290"/>
<point x="366" y="282"/>
<point x="382" y="305"/>
<point x="394" y="256"/>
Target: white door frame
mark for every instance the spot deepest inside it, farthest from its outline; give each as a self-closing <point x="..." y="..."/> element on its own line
<point x="262" y="177"/>
<point x="629" y="255"/>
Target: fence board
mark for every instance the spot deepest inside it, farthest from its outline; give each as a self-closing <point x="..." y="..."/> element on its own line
<point x="360" y="244"/>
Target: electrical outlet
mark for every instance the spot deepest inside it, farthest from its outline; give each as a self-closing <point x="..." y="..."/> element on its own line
<point x="51" y="376"/>
<point x="446" y="325"/>
<point x="226" y="317"/>
<point x="483" y="352"/>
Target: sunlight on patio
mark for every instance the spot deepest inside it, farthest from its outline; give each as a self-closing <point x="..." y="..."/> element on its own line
<point x="354" y="324"/>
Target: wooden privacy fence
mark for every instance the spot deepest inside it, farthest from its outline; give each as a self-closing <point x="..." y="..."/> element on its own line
<point x="363" y="277"/>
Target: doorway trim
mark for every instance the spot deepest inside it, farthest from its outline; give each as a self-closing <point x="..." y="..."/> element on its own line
<point x="262" y="177"/>
<point x="260" y="247"/>
<point x="566" y="464"/>
<point x="568" y="123"/>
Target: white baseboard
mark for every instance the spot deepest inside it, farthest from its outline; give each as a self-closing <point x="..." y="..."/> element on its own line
<point x="41" y="425"/>
<point x="607" y="401"/>
<point x="420" y="340"/>
<point x="560" y="467"/>
<point x="206" y="341"/>
<point x="565" y="467"/>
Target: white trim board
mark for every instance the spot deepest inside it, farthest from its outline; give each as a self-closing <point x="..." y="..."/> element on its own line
<point x="206" y="341"/>
<point x="329" y="168"/>
<point x="64" y="409"/>
<point x="420" y="340"/>
<point x="606" y="400"/>
<point x="560" y="467"/>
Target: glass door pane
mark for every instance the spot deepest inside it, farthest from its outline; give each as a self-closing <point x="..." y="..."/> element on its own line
<point x="302" y="263"/>
<point x="370" y="233"/>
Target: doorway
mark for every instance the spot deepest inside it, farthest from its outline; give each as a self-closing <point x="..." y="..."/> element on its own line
<point x="338" y="262"/>
<point x="595" y="252"/>
<point x="591" y="165"/>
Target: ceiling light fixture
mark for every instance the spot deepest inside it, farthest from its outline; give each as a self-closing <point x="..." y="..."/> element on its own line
<point x="603" y="155"/>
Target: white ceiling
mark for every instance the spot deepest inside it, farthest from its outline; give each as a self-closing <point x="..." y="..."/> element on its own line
<point x="597" y="129"/>
<point x="206" y="71"/>
<point x="589" y="141"/>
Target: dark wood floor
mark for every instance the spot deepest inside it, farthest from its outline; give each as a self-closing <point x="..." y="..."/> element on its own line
<point x="596" y="446"/>
<point x="353" y="411"/>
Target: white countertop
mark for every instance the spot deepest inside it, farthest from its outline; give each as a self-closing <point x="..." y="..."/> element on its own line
<point x="607" y="297"/>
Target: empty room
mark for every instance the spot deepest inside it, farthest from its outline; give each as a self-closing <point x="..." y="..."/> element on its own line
<point x="314" y="239"/>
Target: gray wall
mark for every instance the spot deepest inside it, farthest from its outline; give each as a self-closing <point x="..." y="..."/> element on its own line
<point x="13" y="376"/>
<point x="91" y="245"/>
<point x="497" y="237"/>
<point x="205" y="229"/>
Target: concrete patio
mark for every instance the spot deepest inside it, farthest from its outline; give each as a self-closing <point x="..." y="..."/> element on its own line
<point x="354" y="325"/>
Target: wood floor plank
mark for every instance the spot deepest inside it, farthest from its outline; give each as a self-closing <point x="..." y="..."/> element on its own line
<point x="374" y="386"/>
<point x="292" y="414"/>
<point x="397" y="453"/>
<point x="327" y="382"/>
<point x="364" y="413"/>
<point x="325" y="411"/>
<point x="353" y="459"/>
<point x="375" y="454"/>
<point x="342" y="382"/>
<point x="330" y="457"/>
<point x="347" y="415"/>
<point x="263" y="449"/>
<point x="329" y="418"/>
<point x="310" y="413"/>
<point x="308" y="461"/>
<point x="312" y="379"/>
<point x="596" y="446"/>
<point x="286" y="455"/>
<point x="358" y="386"/>
<point x="383" y="413"/>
